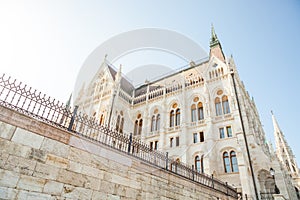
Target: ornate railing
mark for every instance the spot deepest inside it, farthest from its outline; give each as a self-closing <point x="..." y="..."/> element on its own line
<point x="24" y="99"/>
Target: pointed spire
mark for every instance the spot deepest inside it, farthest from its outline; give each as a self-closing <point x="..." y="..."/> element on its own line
<point x="214" y="39"/>
<point x="283" y="151"/>
<point x="68" y="103"/>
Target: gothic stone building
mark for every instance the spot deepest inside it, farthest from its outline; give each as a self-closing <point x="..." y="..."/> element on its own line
<point x="202" y="116"/>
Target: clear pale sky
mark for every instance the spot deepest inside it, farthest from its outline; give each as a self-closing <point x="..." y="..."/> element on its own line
<point x="44" y="43"/>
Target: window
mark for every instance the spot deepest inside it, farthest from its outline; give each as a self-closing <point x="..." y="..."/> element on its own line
<point x="158" y="122"/>
<point x="155" y="121"/>
<point x="101" y="120"/>
<point x="177" y="123"/>
<point x="195" y="137"/>
<point x="233" y="160"/>
<point x="197" y="110"/>
<point x="151" y="146"/>
<point x="201" y="136"/>
<point x="172" y="115"/>
<point x="156" y="145"/>
<point x="226" y="162"/>
<point x="120" y="122"/>
<point x="177" y="141"/>
<point x="138" y="125"/>
<point x="221" y="131"/>
<point x="171" y="142"/>
<point x="218" y="106"/>
<point x="230" y="162"/>
<point x="225" y="105"/>
<point x="198" y="164"/>
<point x="221" y="104"/>
<point x="229" y="132"/>
<point x="175" y="116"/>
<point x="194" y="113"/>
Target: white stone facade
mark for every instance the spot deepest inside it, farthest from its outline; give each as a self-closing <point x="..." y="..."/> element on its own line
<point x="192" y="114"/>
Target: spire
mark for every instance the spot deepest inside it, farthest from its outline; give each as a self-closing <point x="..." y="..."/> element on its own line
<point x="68" y="103"/>
<point x="215" y="46"/>
<point x="214" y="39"/>
<point x="283" y="151"/>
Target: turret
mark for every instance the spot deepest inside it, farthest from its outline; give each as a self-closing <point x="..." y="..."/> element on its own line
<point x="215" y="46"/>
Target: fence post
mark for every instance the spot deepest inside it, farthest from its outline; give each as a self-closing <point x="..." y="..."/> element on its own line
<point x="167" y="160"/>
<point x="212" y="181"/>
<point x="226" y="188"/>
<point x="193" y="174"/>
<point x="73" y="118"/>
<point x="130" y="142"/>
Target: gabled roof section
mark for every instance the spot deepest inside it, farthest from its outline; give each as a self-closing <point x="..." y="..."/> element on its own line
<point x="125" y="84"/>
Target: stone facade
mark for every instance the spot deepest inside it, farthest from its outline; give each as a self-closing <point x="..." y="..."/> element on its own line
<point x="194" y="115"/>
<point x="39" y="161"/>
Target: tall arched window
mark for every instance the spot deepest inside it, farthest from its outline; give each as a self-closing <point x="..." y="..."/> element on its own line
<point x="200" y="111"/>
<point x="197" y="110"/>
<point x="120" y="122"/>
<point x="158" y="122"/>
<point x="138" y="125"/>
<point x="226" y="162"/>
<point x="177" y="122"/>
<point x="193" y="113"/>
<point x="153" y="120"/>
<point x="233" y="161"/>
<point x="230" y="162"/>
<point x="172" y="116"/>
<point x="221" y="104"/>
<point x="225" y="104"/>
<point x="218" y="106"/>
<point x="175" y="115"/>
<point x="198" y="164"/>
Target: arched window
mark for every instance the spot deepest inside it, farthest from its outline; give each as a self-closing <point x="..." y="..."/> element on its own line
<point x="193" y="113"/>
<point x="200" y="111"/>
<point x="233" y="161"/>
<point x="197" y="110"/>
<point x="172" y="116"/>
<point x="225" y="104"/>
<point x="218" y="106"/>
<point x="120" y="122"/>
<point x="198" y="164"/>
<point x="177" y="123"/>
<point x="226" y="162"/>
<point x="158" y="122"/>
<point x="138" y="125"/>
<point x="153" y="120"/>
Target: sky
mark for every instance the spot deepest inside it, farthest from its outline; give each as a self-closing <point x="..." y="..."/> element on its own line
<point x="44" y="43"/>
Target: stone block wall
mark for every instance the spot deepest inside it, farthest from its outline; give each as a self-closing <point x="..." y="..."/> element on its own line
<point x="39" y="161"/>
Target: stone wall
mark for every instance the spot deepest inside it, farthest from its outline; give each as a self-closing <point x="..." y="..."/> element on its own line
<point x="39" y="161"/>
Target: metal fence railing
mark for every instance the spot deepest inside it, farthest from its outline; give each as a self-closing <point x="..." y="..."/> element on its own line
<point x="24" y="99"/>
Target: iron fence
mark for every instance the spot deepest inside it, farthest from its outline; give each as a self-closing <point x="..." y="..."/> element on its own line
<point x="24" y="99"/>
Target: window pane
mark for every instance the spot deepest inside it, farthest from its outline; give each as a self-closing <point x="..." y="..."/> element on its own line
<point x="193" y="115"/>
<point x="172" y="115"/>
<point x="226" y="162"/>
<point x="158" y="122"/>
<point x="156" y="145"/>
<point x="118" y="123"/>
<point x="171" y="142"/>
<point x="153" y="123"/>
<point x="195" y="136"/>
<point x="218" y="109"/>
<point x="226" y="108"/>
<point x="201" y="136"/>
<point x="229" y="132"/>
<point x="177" y="117"/>
<point x="197" y="164"/>
<point x="221" y="131"/>
<point x="234" y="163"/>
<point x="177" y="141"/>
<point x="200" y="113"/>
<point x="122" y="125"/>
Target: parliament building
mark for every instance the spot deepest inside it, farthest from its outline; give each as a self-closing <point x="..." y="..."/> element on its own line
<point x="201" y="115"/>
